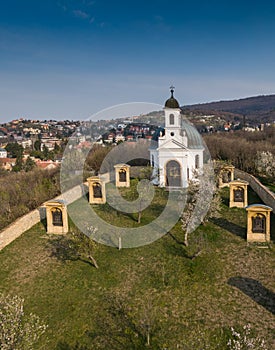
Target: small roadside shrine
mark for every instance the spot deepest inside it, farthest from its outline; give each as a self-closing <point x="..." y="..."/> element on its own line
<point x="238" y="193"/>
<point x="122" y="175"/>
<point x="258" y="223"/>
<point x="97" y="192"/>
<point x="226" y="175"/>
<point x="57" y="217"/>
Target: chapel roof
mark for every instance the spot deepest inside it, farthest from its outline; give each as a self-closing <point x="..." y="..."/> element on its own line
<point x="193" y="136"/>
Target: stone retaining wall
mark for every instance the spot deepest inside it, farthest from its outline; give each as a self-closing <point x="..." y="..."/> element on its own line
<point x="267" y="196"/>
<point x="27" y="221"/>
<point x="21" y="225"/>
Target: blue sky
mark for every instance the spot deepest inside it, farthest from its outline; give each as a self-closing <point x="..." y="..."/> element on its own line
<point x="67" y="59"/>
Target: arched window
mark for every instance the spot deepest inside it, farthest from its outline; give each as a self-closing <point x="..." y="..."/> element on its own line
<point x="171" y="119"/>
<point x="197" y="161"/>
<point x="173" y="174"/>
<point x="153" y="161"/>
<point x="97" y="190"/>
<point x="226" y="176"/>
<point x="258" y="223"/>
<point x="122" y="175"/>
<point x="57" y="217"/>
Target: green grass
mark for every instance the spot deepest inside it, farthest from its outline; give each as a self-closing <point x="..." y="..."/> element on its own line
<point x="185" y="302"/>
<point x="271" y="187"/>
<point x="114" y="217"/>
<point x="268" y="183"/>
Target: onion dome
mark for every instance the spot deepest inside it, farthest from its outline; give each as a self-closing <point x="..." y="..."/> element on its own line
<point x="172" y="102"/>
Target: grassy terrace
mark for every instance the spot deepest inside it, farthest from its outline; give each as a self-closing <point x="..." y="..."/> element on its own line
<point x="157" y="289"/>
<point x="268" y="184"/>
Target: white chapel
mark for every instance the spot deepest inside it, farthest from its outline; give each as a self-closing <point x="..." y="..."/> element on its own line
<point x="176" y="153"/>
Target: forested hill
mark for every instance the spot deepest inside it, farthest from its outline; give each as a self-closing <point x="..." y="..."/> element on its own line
<point x="260" y="107"/>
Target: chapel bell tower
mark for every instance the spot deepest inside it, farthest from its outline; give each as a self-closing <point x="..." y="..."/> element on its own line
<point x="172" y="116"/>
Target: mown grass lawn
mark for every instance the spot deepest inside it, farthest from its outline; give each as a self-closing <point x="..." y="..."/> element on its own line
<point x="157" y="289"/>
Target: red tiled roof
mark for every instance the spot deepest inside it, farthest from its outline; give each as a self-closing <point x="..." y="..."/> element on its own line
<point x="7" y="160"/>
<point x="45" y="164"/>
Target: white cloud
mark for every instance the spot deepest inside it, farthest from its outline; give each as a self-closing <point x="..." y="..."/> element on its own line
<point x="81" y="14"/>
<point x="78" y="8"/>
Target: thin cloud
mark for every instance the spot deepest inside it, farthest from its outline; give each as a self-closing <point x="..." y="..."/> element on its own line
<point x="88" y="3"/>
<point x="158" y="18"/>
<point x="81" y="14"/>
<point x="62" y="6"/>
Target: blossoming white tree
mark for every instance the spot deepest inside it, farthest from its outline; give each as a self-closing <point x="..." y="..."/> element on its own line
<point x="245" y="341"/>
<point x="18" y="331"/>
<point x="265" y="163"/>
<point x="203" y="202"/>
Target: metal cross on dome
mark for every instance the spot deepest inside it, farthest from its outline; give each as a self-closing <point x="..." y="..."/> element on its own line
<point x="172" y="89"/>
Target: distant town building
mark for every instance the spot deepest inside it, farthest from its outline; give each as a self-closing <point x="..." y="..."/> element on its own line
<point x="26" y="143"/>
<point x="7" y="163"/>
<point x="47" y="164"/>
<point x="3" y="153"/>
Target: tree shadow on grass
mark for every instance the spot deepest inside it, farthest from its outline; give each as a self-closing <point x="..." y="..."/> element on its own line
<point x="66" y="249"/>
<point x="176" y="249"/>
<point x="103" y="208"/>
<point x="253" y="198"/>
<point x="225" y="199"/>
<point x="230" y="226"/>
<point x="272" y="227"/>
<point x="42" y="214"/>
<point x="115" y="328"/>
<point x="176" y="239"/>
<point x="256" y="291"/>
<point x="66" y="346"/>
<point x="179" y="248"/>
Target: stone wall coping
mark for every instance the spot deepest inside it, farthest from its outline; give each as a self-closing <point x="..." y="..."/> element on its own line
<point x="54" y="202"/>
<point x="266" y="195"/>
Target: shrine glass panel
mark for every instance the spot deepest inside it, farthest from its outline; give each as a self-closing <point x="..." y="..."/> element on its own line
<point x="258" y="224"/>
<point x="57" y="217"/>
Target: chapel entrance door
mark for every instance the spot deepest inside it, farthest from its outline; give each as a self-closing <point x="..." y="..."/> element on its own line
<point x="173" y="174"/>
